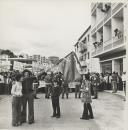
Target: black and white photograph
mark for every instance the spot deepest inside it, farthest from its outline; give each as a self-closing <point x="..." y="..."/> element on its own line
<point x="63" y="65"/>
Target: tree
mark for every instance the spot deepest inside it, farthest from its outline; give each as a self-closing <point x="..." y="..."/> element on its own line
<point x="21" y="56"/>
<point x="9" y="53"/>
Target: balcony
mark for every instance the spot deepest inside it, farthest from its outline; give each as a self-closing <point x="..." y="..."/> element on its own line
<point x="113" y="4"/>
<point x="100" y="24"/>
<point x="107" y="44"/>
<point x="93" y="8"/>
<point x="108" y="15"/>
<point x="82" y="48"/>
<point x="97" y="51"/>
<point x="81" y="58"/>
<point x="93" y="53"/>
<point x="117" y="7"/>
<point x="116" y="44"/>
<point x="98" y="48"/>
<point x="118" y="40"/>
<point x="93" y="31"/>
<point x="83" y="63"/>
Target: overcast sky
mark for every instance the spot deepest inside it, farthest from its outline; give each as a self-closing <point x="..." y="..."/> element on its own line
<point x="45" y="27"/>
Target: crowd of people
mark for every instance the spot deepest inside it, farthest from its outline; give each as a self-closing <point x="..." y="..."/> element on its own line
<point x="24" y="85"/>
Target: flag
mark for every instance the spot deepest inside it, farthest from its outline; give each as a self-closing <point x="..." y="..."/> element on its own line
<point x="68" y="67"/>
<point x="61" y="66"/>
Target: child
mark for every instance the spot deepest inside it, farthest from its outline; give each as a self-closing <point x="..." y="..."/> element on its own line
<point x="86" y="99"/>
<point x="16" y="101"/>
<point x="56" y="91"/>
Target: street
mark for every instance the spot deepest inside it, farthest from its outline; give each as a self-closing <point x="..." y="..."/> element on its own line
<point x="108" y="113"/>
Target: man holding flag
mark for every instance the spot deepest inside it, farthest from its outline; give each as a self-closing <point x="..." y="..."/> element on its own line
<point x="68" y="66"/>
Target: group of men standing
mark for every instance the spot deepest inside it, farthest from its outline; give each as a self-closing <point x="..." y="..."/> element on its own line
<point x="49" y="78"/>
<point x="25" y="87"/>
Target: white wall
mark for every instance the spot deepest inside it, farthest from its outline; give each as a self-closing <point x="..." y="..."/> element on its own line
<point x="93" y="20"/>
<point x="107" y="34"/>
<point x="124" y="64"/>
<point x="94" y="65"/>
<point x="116" y="66"/>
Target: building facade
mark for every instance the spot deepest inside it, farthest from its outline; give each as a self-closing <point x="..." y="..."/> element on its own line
<point x="108" y="36"/>
<point x="83" y="49"/>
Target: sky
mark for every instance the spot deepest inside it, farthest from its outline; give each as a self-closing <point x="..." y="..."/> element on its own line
<point x="45" y="27"/>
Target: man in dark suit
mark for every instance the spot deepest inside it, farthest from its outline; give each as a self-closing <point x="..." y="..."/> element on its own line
<point x="28" y="97"/>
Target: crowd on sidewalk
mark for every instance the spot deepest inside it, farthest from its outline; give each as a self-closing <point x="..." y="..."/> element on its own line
<point x="23" y="87"/>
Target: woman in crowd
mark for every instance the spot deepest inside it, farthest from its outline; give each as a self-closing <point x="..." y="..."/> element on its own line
<point x="16" y="101"/>
<point x="86" y="98"/>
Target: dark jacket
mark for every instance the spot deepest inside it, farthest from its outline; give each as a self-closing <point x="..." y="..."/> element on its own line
<point x="56" y="91"/>
<point x="27" y="85"/>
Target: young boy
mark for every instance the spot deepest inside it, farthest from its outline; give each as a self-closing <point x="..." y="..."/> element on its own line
<point x="16" y="101"/>
<point x="56" y="91"/>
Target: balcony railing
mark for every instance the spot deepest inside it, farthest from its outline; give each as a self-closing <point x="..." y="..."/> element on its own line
<point x="93" y="31"/>
<point x="93" y="8"/>
<point x="118" y="40"/>
<point x="117" y="7"/>
<point x="100" y="24"/>
<point x="99" y="49"/>
<point x="109" y="45"/>
<point x="113" y="4"/>
<point x="83" y="63"/>
<point x="93" y="53"/>
<point x="108" y="15"/>
<point x="81" y="58"/>
<point x="107" y="42"/>
<point x="82" y="48"/>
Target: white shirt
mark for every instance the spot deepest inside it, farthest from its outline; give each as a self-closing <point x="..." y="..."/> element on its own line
<point x="2" y="79"/>
<point x="123" y="77"/>
<point x="16" y="89"/>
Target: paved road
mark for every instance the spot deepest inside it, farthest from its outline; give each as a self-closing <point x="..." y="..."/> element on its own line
<point x="108" y="113"/>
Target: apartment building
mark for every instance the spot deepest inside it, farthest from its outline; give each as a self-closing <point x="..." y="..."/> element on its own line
<point x="109" y="36"/>
<point x="83" y="49"/>
<point x="37" y="57"/>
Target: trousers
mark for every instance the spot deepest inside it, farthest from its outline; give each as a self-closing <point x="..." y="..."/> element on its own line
<point x="28" y="98"/>
<point x="16" y="110"/>
<point x="65" y="90"/>
<point x="56" y="106"/>
<point x="77" y="91"/>
<point x="95" y="89"/>
<point x="87" y="111"/>
<point x="47" y="91"/>
<point x="114" y="86"/>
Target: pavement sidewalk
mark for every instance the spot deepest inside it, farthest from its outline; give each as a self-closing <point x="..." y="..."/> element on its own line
<point x="4" y="97"/>
<point x="118" y="93"/>
<point x="108" y="114"/>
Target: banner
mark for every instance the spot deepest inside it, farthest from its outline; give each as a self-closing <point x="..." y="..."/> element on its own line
<point x="68" y="67"/>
